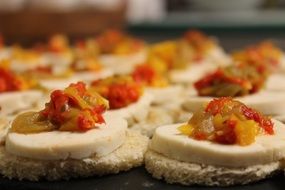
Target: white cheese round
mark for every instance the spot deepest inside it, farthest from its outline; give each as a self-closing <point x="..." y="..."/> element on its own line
<point x="57" y="145"/>
<point x="123" y="64"/>
<point x="89" y="76"/>
<point x="192" y="73"/>
<point x="168" y="141"/>
<point x="276" y="82"/>
<point x="269" y="103"/>
<point x="57" y="84"/>
<point x="165" y="95"/>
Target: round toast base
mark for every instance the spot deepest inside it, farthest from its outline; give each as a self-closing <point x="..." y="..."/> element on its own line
<point x="174" y="171"/>
<point x="127" y="156"/>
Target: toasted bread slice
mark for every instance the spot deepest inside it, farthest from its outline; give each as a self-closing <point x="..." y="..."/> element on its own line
<point x="127" y="156"/>
<point x="174" y="171"/>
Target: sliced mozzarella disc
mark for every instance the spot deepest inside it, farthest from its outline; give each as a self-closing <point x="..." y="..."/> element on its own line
<point x="57" y="84"/>
<point x="192" y="73"/>
<point x="56" y="145"/>
<point x="167" y="140"/>
<point x="276" y="82"/>
<point x="269" y="103"/>
<point x="88" y="76"/>
<point x="123" y="64"/>
<point x="166" y="94"/>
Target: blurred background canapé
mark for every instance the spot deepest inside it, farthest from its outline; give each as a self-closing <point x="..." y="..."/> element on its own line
<point x="26" y="21"/>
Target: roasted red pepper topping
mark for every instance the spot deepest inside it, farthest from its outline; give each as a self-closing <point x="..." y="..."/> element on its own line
<point x="265" y="56"/>
<point x="116" y="42"/>
<point x="230" y="81"/>
<point x="10" y="82"/>
<point x="227" y="121"/>
<point x="75" y="108"/>
<point x="217" y="105"/>
<point x="226" y="104"/>
<point x="108" y="40"/>
<point x="147" y="75"/>
<point x="121" y="95"/>
<point x="198" y="42"/>
<point x="263" y="122"/>
<point x="144" y="74"/>
<point x="119" y="91"/>
<point x="219" y="74"/>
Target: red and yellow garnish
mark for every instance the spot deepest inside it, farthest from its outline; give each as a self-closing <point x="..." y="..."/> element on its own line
<point x="230" y="81"/>
<point x="197" y="44"/>
<point x="119" y="91"/>
<point x="264" y="56"/>
<point x="75" y="108"/>
<point x="145" y="74"/>
<point x="116" y="42"/>
<point x="227" y="121"/>
<point x="72" y="109"/>
<point x="11" y="82"/>
<point x="165" y="54"/>
<point x="86" y="56"/>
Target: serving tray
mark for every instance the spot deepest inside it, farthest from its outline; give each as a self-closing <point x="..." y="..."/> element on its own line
<point x="134" y="179"/>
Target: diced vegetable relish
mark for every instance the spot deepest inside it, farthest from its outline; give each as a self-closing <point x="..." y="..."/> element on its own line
<point x="86" y="56"/>
<point x="198" y="44"/>
<point x="198" y="40"/>
<point x="11" y="82"/>
<point x="72" y="109"/>
<point x="116" y="42"/>
<point x="120" y="91"/>
<point x="148" y="76"/>
<point x="230" y="81"/>
<point x="226" y="121"/>
<point x="264" y="56"/>
<point x="165" y="54"/>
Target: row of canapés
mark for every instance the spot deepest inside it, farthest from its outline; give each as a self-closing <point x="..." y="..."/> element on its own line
<point x="129" y="91"/>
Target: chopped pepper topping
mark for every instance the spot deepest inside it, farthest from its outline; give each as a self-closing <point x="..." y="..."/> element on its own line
<point x="147" y="75"/>
<point x="11" y="82"/>
<point x="230" y="81"/>
<point x="164" y="55"/>
<point x="227" y="121"/>
<point x="120" y="91"/>
<point x="197" y="44"/>
<point x="72" y="109"/>
<point x="264" y="56"/>
<point x="86" y="56"/>
<point x="116" y="42"/>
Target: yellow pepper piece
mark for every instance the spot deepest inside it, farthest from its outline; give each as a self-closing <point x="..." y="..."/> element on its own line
<point x="246" y="132"/>
<point x="73" y="92"/>
<point x="186" y="129"/>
